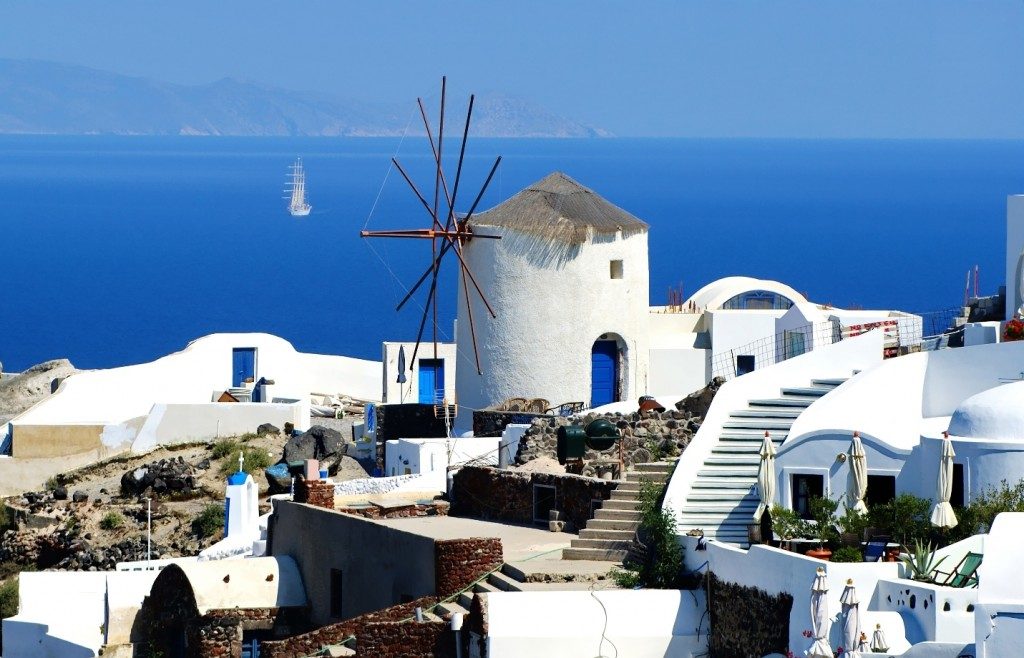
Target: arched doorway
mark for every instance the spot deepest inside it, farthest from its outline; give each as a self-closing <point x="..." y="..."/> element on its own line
<point x="605" y="371"/>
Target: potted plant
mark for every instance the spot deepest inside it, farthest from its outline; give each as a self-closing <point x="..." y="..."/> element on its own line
<point x="921" y="562"/>
<point x="821" y="526"/>
<point x="1013" y="330"/>
<point x="786" y="523"/>
<point x="852" y="525"/>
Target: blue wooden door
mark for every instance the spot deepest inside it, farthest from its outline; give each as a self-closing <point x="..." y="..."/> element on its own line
<point x="604" y="374"/>
<point x="243" y="365"/>
<point x="431" y="380"/>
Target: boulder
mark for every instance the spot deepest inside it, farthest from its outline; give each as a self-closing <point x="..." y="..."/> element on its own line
<point x="278" y="478"/>
<point x="79" y="497"/>
<point x="318" y="442"/>
<point x="266" y="429"/>
<point x="60" y="493"/>
<point x="698" y="402"/>
<point x="162" y="476"/>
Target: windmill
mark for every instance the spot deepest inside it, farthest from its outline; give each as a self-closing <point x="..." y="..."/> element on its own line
<point x="447" y="236"/>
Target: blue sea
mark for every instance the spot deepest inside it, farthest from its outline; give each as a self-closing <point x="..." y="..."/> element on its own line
<point x="117" y="250"/>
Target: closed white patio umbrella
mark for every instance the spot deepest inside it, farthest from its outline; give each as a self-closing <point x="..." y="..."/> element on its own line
<point x="765" y="477"/>
<point x="819" y="617"/>
<point x="878" y="641"/>
<point x="942" y="514"/>
<point x="857" y="481"/>
<point x="851" y="618"/>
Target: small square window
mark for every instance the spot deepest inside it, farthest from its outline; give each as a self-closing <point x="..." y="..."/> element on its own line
<point x="616" y="269"/>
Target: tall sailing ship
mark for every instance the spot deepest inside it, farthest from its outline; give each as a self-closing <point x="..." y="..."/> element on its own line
<point x="297" y="206"/>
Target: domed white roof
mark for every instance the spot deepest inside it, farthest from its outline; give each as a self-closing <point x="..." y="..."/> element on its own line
<point x="716" y="293"/>
<point x="997" y="413"/>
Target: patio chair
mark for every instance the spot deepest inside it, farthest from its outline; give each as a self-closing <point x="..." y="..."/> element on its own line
<point x="963" y="575"/>
<point x="566" y="409"/>
<point x="513" y="404"/>
<point x="537" y="405"/>
<point x="874" y="549"/>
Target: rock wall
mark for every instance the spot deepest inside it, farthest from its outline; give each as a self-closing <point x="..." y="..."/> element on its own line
<point x="310" y="643"/>
<point x="507" y="495"/>
<point x="458" y="563"/>
<point x="746" y="621"/>
<point x="406" y="640"/>
<point x="644" y="434"/>
<point x="437" y="508"/>
<point x="315" y="492"/>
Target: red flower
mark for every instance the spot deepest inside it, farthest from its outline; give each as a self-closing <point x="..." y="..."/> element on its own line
<point x="1014" y="330"/>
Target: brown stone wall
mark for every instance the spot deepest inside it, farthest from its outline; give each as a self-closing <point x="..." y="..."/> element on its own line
<point x="215" y="637"/>
<point x="438" y="508"/>
<point x="460" y="562"/>
<point x="310" y="643"/>
<point x="406" y="640"/>
<point x="315" y="492"/>
<point x="507" y="495"/>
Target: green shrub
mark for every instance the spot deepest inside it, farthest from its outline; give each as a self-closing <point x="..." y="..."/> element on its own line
<point x="7" y="518"/>
<point x="112" y="520"/>
<point x="847" y="554"/>
<point x="223" y="448"/>
<point x="9" y="598"/>
<point x="823" y="514"/>
<point x="979" y="515"/>
<point x="786" y="523"/>
<point x="853" y="523"/>
<point x="906" y="518"/>
<point x="662" y="567"/>
<point x="209" y="522"/>
<point x="256" y="459"/>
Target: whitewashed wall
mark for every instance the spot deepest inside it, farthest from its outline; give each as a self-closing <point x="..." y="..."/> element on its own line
<point x="735" y="330"/>
<point x="168" y="424"/>
<point x="570" y="624"/>
<point x="68" y="625"/>
<point x="552" y="301"/>
<point x="999" y="615"/>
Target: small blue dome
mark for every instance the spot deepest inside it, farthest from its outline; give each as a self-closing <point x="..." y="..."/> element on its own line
<point x="237" y="478"/>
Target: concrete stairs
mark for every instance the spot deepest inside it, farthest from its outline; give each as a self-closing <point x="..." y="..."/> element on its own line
<point x="723" y="498"/>
<point x="609" y="535"/>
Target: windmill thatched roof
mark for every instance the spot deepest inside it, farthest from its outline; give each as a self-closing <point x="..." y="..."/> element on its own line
<point x="558" y="208"/>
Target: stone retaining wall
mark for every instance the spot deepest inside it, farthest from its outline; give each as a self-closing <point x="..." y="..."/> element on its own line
<point x="437" y="508"/>
<point x="746" y="621"/>
<point x="458" y="563"/>
<point x="644" y="435"/>
<point x="507" y="495"/>
<point x="367" y="486"/>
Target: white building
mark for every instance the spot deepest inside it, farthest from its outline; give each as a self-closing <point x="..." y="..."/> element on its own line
<point x="100" y="413"/>
<point x="569" y="283"/>
<point x="429" y="378"/>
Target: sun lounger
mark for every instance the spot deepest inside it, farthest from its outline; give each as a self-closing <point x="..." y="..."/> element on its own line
<point x="964" y="575"/>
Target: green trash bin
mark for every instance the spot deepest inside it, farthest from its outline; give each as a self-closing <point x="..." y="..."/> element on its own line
<point x="572" y="443"/>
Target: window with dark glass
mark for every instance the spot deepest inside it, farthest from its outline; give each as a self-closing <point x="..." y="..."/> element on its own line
<point x="754" y="300"/>
<point x="806" y="486"/>
<point x="956" y="499"/>
<point x="881" y="489"/>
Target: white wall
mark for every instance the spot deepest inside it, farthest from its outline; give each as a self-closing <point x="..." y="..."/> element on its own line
<point x="570" y="624"/>
<point x="409" y="392"/>
<point x="999" y="616"/>
<point x="57" y="626"/>
<point x="436" y="455"/>
<point x="1014" y="252"/>
<point x="125" y="592"/>
<point x="980" y="333"/>
<point x="552" y="302"/>
<point x="674" y="370"/>
<point x="168" y="424"/>
<point x="837" y="360"/>
<point x="736" y="330"/>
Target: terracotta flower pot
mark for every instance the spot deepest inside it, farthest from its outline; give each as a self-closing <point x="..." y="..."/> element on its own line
<point x="820" y="553"/>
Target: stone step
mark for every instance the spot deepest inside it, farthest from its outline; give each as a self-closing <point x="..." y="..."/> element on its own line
<point x="713" y="495"/>
<point x="792" y="401"/>
<point x="466" y="600"/>
<point x="620" y="504"/>
<point x="625" y="495"/>
<point x="504" y="582"/>
<point x="723" y="482"/>
<point x="761" y="425"/>
<point x="613" y="524"/>
<point x="720" y="519"/>
<point x="604" y="544"/>
<point x="595" y="533"/>
<point x="617" y="515"/>
<point x="450" y="607"/>
<point x="720" y="507"/>
<point x="771" y="412"/>
<point x="626" y="485"/>
<point x="733" y="460"/>
<point x="728" y="471"/>
<point x="828" y="382"/>
<point x="594" y="554"/>
<point x="655" y="467"/>
<point x="752" y="435"/>
<point x="637" y="476"/>
<point x="807" y="391"/>
<point x="738" y="448"/>
<point x="486" y="586"/>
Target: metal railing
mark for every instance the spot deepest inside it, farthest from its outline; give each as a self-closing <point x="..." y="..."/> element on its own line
<point x="902" y="335"/>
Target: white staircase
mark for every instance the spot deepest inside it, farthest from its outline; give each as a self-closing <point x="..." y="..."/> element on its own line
<point x="722" y="498"/>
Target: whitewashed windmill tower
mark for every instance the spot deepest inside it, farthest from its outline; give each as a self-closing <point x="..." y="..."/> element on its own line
<point x="568" y="282"/>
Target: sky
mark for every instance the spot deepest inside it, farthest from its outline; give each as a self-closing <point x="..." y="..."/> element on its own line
<point x="780" y="68"/>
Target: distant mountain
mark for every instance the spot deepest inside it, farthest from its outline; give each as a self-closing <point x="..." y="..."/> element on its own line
<point x="47" y="98"/>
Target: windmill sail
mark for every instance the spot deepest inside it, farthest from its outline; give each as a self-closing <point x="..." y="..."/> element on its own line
<point x="297" y="206"/>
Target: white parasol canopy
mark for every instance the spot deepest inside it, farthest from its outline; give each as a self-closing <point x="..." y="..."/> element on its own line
<point x="857" y="481"/>
<point x="942" y="514"/>
<point x="819" y="617"/>
<point x="765" y="477"/>
<point x="851" y="616"/>
<point x="878" y="642"/>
